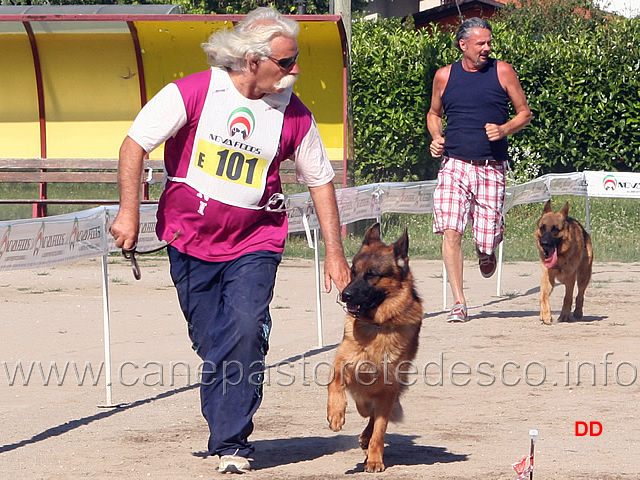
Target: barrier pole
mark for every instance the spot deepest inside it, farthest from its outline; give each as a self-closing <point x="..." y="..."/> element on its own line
<point x="444" y="286"/>
<point x="588" y="213"/>
<point x="498" y="287"/>
<point x="107" y="334"/>
<point x="318" y="287"/>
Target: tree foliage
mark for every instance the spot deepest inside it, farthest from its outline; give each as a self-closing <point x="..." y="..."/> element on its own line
<point x="551" y="17"/>
<point x="580" y="73"/>
<point x="390" y="97"/>
<point x="316" y="7"/>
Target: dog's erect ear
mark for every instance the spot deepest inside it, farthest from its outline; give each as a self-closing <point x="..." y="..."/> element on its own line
<point x="401" y="251"/>
<point x="565" y="210"/>
<point x="372" y="235"/>
<point x="547" y="207"/>
<point x="401" y="246"/>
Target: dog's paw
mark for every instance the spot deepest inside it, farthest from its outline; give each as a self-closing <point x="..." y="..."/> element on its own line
<point x="374" y="467"/>
<point x="577" y="314"/>
<point x="546" y="320"/>
<point x="336" y="420"/>
<point x="364" y="442"/>
<point x="564" y="317"/>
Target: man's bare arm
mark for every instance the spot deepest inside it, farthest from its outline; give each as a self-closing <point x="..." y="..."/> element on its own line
<point x="125" y="226"/>
<point x="336" y="267"/>
<point x="511" y="84"/>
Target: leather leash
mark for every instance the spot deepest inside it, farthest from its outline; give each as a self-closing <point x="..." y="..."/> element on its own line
<point x="130" y="254"/>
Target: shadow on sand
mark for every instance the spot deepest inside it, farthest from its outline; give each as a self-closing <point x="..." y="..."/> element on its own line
<point x="399" y="450"/>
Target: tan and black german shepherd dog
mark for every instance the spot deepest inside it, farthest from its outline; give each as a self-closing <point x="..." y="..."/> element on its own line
<point x="566" y="255"/>
<point x="381" y="332"/>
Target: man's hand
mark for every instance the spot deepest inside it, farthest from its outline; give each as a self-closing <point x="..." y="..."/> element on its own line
<point x="336" y="269"/>
<point x="437" y="147"/>
<point x="494" y="132"/>
<point x="125" y="230"/>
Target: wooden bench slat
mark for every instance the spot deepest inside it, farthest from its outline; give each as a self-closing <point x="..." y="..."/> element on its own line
<point x="101" y="170"/>
<point x="64" y="177"/>
<point x="70" y="163"/>
<point x="59" y="177"/>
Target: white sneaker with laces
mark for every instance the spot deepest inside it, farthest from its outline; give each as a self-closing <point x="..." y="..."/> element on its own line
<point x="234" y="464"/>
<point x="458" y="314"/>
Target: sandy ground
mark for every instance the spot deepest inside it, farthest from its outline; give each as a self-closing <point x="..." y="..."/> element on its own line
<point x="479" y="389"/>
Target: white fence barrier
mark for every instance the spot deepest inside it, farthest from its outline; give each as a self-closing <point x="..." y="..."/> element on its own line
<point x="42" y="242"/>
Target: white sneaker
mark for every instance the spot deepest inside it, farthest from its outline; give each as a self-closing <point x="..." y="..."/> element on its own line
<point x="458" y="314"/>
<point x="234" y="464"/>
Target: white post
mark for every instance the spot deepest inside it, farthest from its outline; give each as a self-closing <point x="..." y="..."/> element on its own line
<point x="107" y="334"/>
<point x="498" y="287"/>
<point x="534" y="436"/>
<point x="318" y="287"/>
<point x="588" y="213"/>
<point x="444" y="286"/>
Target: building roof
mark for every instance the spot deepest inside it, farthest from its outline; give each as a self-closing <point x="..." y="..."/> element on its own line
<point x="451" y="11"/>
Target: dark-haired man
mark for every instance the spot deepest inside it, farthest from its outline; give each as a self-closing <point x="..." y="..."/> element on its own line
<point x="473" y="96"/>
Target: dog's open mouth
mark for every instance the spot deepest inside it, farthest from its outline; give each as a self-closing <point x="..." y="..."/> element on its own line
<point x="353" y="308"/>
<point x="550" y="257"/>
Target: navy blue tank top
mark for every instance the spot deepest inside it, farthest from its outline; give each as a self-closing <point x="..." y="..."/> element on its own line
<point x="470" y="100"/>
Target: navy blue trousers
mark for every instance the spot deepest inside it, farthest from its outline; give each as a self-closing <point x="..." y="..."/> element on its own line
<point x="226" y="305"/>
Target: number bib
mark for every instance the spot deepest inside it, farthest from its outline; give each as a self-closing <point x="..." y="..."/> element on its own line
<point x="236" y="141"/>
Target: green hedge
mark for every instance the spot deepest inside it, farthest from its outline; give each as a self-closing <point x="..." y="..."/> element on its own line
<point x="583" y="88"/>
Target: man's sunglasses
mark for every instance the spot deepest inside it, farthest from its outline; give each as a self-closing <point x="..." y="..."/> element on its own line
<point x="285" y="63"/>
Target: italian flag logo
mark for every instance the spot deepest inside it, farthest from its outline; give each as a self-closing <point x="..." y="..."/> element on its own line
<point x="609" y="182"/>
<point x="241" y="122"/>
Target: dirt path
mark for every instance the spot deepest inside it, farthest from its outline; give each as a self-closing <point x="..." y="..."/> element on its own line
<point x="480" y="387"/>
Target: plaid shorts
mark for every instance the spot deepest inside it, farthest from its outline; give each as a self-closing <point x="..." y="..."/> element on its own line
<point x="473" y="192"/>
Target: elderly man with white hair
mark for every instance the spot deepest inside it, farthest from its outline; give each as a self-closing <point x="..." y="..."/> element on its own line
<point x="227" y="130"/>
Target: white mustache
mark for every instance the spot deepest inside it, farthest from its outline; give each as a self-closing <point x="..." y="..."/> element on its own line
<point x="286" y="82"/>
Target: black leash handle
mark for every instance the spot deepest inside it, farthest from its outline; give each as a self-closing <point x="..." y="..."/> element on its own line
<point x="130" y="254"/>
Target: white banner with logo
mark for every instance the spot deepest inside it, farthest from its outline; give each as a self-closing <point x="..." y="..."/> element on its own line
<point x="39" y="242"/>
<point x="147" y="239"/>
<point x="365" y="201"/>
<point x="613" y="184"/>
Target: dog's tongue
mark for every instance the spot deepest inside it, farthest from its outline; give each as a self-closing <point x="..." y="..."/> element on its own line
<point x="551" y="261"/>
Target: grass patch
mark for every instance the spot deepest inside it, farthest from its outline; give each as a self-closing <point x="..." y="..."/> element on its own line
<point x="614" y="227"/>
<point x="67" y="191"/>
<point x="614" y="224"/>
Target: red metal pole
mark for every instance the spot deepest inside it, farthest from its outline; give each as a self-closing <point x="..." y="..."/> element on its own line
<point x="39" y="209"/>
